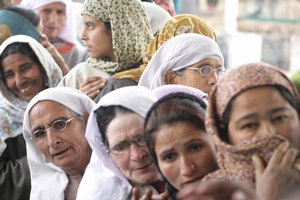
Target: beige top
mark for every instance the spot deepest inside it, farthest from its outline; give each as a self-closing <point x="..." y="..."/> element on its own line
<point x="79" y="73"/>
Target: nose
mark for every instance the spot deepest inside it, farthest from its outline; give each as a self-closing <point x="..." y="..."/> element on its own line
<point x="19" y="80"/>
<point x="53" y="138"/>
<point x="267" y="129"/>
<point x="83" y="35"/>
<point x="213" y="78"/>
<point x="187" y="166"/>
<point x="137" y="153"/>
<point x="53" y="17"/>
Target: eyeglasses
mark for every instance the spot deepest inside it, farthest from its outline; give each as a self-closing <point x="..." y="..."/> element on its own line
<point x="57" y="126"/>
<point x="122" y="148"/>
<point x="207" y="70"/>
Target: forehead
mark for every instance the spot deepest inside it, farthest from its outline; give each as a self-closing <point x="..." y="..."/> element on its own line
<point x="124" y="126"/>
<point x="213" y="61"/>
<point x="48" y="108"/>
<point x="53" y="6"/>
<point x="259" y="99"/>
<point x="178" y="136"/>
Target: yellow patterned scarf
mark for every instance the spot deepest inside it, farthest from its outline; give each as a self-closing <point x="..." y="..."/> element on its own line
<point x="179" y="24"/>
<point x="130" y="29"/>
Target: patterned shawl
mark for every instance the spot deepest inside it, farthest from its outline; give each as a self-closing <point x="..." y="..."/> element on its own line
<point x="12" y="107"/>
<point x="179" y="24"/>
<point x="235" y="161"/>
<point x="130" y="29"/>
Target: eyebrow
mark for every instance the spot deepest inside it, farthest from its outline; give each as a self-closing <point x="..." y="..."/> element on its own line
<point x="254" y="115"/>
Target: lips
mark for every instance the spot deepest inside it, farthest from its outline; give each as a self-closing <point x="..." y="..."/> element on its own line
<point x="191" y="181"/>
<point x="60" y="153"/>
<point x="143" y="167"/>
<point x="25" y="89"/>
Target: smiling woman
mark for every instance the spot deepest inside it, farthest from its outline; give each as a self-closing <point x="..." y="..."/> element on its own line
<point x="26" y="68"/>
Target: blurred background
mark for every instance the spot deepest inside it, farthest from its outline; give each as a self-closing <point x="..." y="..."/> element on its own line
<point x="252" y="30"/>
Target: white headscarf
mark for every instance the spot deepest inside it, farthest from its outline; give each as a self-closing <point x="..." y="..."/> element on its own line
<point x="68" y="34"/>
<point x="165" y="90"/>
<point x="94" y="185"/>
<point x="178" y="53"/>
<point x="157" y="16"/>
<point x="12" y="107"/>
<point x="48" y="181"/>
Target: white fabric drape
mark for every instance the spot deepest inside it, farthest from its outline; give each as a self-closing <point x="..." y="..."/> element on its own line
<point x="48" y="181"/>
<point x="109" y="183"/>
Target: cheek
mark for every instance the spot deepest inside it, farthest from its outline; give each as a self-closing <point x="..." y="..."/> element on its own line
<point x="208" y="163"/>
<point x="292" y="133"/>
<point x="169" y="171"/>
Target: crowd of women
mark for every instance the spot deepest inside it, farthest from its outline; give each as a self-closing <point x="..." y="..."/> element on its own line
<point x="138" y="106"/>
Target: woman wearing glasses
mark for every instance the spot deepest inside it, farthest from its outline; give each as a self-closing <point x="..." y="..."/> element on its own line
<point x="189" y="59"/>
<point x="115" y="128"/>
<point x="58" y="153"/>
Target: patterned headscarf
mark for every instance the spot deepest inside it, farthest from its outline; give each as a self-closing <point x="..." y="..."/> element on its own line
<point x="179" y="24"/>
<point x="12" y="107"/>
<point x="130" y="31"/>
<point x="235" y="161"/>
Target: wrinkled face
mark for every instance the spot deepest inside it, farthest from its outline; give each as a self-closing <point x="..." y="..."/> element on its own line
<point x="67" y="149"/>
<point x="193" y="78"/>
<point x="263" y="111"/>
<point x="97" y="38"/>
<point x="184" y="154"/>
<point x="134" y="161"/>
<point x="54" y="19"/>
<point x="23" y="76"/>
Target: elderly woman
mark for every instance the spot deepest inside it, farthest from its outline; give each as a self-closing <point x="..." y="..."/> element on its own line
<point x="177" y="138"/>
<point x="253" y="117"/>
<point x="58" y="26"/>
<point x="195" y="60"/>
<point x="116" y="134"/>
<point x="179" y="24"/>
<point x="58" y="153"/>
<point x="115" y="33"/>
<point x="26" y="68"/>
<point x="19" y="20"/>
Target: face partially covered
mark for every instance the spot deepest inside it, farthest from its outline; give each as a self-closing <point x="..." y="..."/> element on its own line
<point x="263" y="111"/>
<point x="23" y="76"/>
<point x="128" y="148"/>
<point x="184" y="154"/>
<point x="66" y="148"/>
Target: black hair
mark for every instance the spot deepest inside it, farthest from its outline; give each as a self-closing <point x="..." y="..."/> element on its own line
<point x="105" y="114"/>
<point x="167" y="111"/>
<point x="27" y="13"/>
<point x="24" y="49"/>
<point x="224" y="134"/>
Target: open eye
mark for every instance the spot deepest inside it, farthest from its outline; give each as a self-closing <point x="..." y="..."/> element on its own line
<point x="194" y="147"/>
<point x="38" y="134"/>
<point x="59" y="125"/>
<point x="121" y="146"/>
<point x="206" y="69"/>
<point x="169" y="157"/>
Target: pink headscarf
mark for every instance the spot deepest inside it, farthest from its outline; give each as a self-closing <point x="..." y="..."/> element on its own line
<point x="235" y="161"/>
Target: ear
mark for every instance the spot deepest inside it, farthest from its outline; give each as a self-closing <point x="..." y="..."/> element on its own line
<point x="170" y="77"/>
